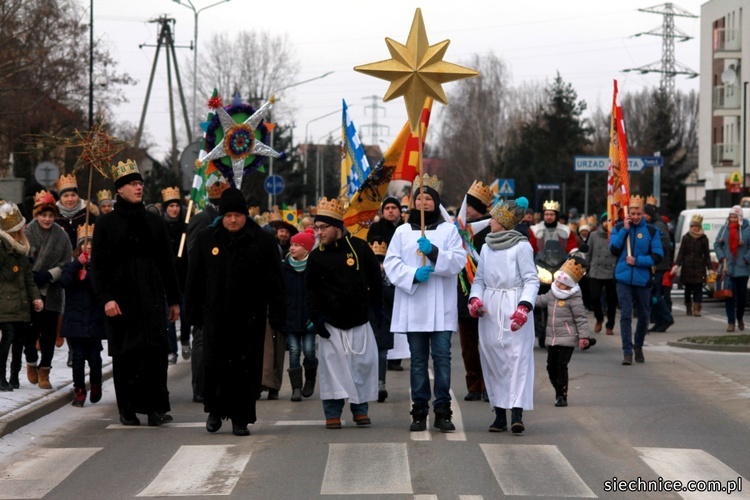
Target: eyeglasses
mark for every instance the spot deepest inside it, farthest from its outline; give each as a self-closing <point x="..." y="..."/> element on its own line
<point x="321" y="227"/>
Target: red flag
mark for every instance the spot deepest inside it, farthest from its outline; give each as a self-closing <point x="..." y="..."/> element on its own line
<point x="408" y="164"/>
<point x="618" y="185"/>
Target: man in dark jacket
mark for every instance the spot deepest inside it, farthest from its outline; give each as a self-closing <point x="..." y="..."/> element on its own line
<point x="234" y="283"/>
<point x="133" y="271"/>
<point x="383" y="229"/>
<point x="661" y="313"/>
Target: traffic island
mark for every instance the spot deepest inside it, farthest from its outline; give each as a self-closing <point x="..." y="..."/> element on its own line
<point x="725" y="343"/>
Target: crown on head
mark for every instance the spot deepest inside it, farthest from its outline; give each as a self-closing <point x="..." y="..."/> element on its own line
<point x="124" y="168"/>
<point x="66" y="182"/>
<point x="481" y="192"/>
<point x="170" y="194"/>
<point x="10" y="216"/>
<point x="636" y="201"/>
<point x="84" y="231"/>
<point x="215" y="189"/>
<point x="43" y="197"/>
<point x="651" y="200"/>
<point x="104" y="195"/>
<point x="428" y="181"/>
<point x="332" y="208"/>
<point x="573" y="269"/>
<point x="551" y="205"/>
<point x="379" y="247"/>
<point x="405" y="201"/>
<point x="505" y="215"/>
<point x="592" y="221"/>
<point x="697" y="219"/>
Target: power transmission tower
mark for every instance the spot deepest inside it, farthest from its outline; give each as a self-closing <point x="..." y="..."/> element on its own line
<point x="166" y="40"/>
<point x="668" y="67"/>
<point x="374" y="126"/>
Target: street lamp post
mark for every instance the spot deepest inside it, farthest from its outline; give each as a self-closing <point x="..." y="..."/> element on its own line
<point x="307" y="151"/>
<point x="189" y="5"/>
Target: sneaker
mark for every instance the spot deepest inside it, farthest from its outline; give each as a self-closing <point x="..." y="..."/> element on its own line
<point x="158" y="418"/>
<point x="172" y="359"/>
<point x="362" y="420"/>
<point x="628" y="359"/>
<point x="473" y="396"/>
<point x="96" y="393"/>
<point x="333" y="423"/>
<point x="79" y="398"/>
<point x="186" y="352"/>
<point x="561" y="401"/>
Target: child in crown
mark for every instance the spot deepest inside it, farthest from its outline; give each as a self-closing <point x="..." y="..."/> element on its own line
<point x="567" y="326"/>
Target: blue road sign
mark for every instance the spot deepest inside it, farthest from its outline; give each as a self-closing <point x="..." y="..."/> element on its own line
<point x="274" y="184"/>
<point x="601" y="163"/>
<point x="506" y="187"/>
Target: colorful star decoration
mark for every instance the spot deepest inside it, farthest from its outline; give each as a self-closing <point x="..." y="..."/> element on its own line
<point x="416" y="70"/>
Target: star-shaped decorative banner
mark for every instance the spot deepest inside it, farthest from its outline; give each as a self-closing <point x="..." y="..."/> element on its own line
<point x="416" y="70"/>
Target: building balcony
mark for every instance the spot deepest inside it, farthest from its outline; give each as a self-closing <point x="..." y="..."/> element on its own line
<point x="727" y="40"/>
<point x="727" y="97"/>
<point x="725" y="154"/>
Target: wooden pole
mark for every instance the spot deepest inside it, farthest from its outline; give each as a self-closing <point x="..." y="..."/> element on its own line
<point x="421" y="186"/>
<point x="184" y="233"/>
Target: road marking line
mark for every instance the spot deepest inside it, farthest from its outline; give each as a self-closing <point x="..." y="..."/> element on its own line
<point x="199" y="471"/>
<point x="691" y="465"/>
<point x="470" y="497"/>
<point x="320" y="423"/>
<point x="534" y="470"/>
<point x="458" y="421"/>
<point x="36" y="476"/>
<point x="362" y="469"/>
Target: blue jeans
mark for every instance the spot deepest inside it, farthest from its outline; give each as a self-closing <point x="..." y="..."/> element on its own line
<point x="333" y="408"/>
<point x="735" y="307"/>
<point x="297" y="343"/>
<point x="420" y="345"/>
<point x="628" y="295"/>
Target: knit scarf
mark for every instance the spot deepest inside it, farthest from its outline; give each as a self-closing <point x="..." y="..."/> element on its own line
<point x="69" y="213"/>
<point x="505" y="239"/>
<point x="734" y="237"/>
<point x="49" y="247"/>
<point x="297" y="265"/>
<point x="563" y="294"/>
<point x="696" y="233"/>
<point x="18" y="246"/>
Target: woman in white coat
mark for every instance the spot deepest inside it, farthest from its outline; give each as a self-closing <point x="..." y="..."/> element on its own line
<point x="502" y="296"/>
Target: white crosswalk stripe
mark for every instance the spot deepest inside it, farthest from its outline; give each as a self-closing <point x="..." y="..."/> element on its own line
<point x="686" y="465"/>
<point x="199" y="471"/>
<point x="534" y="470"/>
<point x="360" y="469"/>
<point x="40" y="473"/>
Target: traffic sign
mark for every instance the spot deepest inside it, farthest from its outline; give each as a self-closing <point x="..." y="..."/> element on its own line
<point x="601" y="163"/>
<point x="274" y="184"/>
<point x="548" y="187"/>
<point x="46" y="173"/>
<point x="506" y="187"/>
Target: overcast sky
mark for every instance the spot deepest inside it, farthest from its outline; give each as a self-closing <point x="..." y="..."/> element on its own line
<point x="588" y="41"/>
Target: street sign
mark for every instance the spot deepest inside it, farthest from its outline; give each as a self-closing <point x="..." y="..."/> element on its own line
<point x="274" y="184"/>
<point x="46" y="173"/>
<point x="601" y="163"/>
<point x="506" y="187"/>
<point x="548" y="187"/>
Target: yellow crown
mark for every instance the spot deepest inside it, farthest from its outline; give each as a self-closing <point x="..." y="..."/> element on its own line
<point x="405" y="201"/>
<point x="104" y="195"/>
<point x="379" y="247"/>
<point x="262" y="220"/>
<point x="215" y="189"/>
<point x="66" y="182"/>
<point x="697" y="218"/>
<point x="636" y="201"/>
<point x="428" y="181"/>
<point x="573" y="269"/>
<point x="592" y="221"/>
<point x="84" y="231"/>
<point x="651" y="200"/>
<point x="481" y="192"/>
<point x="505" y="215"/>
<point x="551" y="205"/>
<point x="333" y="208"/>
<point x="124" y="168"/>
<point x="10" y="217"/>
<point x="43" y="197"/>
<point x="170" y="194"/>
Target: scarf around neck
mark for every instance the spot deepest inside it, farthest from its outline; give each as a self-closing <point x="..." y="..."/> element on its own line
<point x="69" y="213"/>
<point x="735" y="237"/>
<point x="18" y="247"/>
<point x="505" y="239"/>
<point x="297" y="265"/>
<point x="430" y="218"/>
<point x="563" y="294"/>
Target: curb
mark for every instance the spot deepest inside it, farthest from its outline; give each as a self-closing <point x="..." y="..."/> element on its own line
<point x="709" y="347"/>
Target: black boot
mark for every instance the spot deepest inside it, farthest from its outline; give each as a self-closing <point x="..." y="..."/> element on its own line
<point x="4" y="385"/>
<point x="501" y="422"/>
<point x="14" y="383"/>
<point x="443" y="416"/>
<point x="295" y="377"/>
<point x="561" y="398"/>
<point x="419" y="414"/>
<point x="516" y="422"/>
<point x="311" y="373"/>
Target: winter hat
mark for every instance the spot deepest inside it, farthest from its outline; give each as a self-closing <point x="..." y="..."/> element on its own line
<point x="306" y="238"/>
<point x="390" y="200"/>
<point x="232" y="200"/>
<point x="736" y="210"/>
<point x="650" y="210"/>
<point x="584" y="227"/>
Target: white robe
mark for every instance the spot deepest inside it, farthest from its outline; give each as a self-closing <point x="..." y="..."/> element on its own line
<point x="400" y="348"/>
<point x="503" y="279"/>
<point x="348" y="364"/>
<point x="429" y="306"/>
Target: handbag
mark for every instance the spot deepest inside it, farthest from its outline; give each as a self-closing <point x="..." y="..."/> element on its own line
<point x="723" y="289"/>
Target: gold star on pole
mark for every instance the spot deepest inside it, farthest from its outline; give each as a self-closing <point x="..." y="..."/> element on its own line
<point x="416" y="70"/>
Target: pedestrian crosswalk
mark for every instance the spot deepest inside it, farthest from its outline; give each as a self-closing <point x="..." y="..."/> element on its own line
<point x="377" y="469"/>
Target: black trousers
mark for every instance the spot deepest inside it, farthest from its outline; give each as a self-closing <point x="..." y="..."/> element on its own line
<point x="558" y="358"/>
<point x="86" y="350"/>
<point x="140" y="377"/>
<point x="44" y="329"/>
<point x="596" y="286"/>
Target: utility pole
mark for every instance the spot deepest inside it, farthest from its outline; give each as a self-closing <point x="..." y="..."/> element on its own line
<point x="374" y="126"/>
<point x="668" y="67"/>
<point x="166" y="40"/>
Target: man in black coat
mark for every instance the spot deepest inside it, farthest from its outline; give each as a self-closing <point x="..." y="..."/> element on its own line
<point x="134" y="278"/>
<point x="234" y="283"/>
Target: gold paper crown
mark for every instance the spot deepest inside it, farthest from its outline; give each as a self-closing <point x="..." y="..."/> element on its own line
<point x="333" y="208"/>
<point x="697" y="218"/>
<point x="481" y="192"/>
<point x="551" y="205"/>
<point x="170" y="194"/>
<point x="651" y="200"/>
<point x="262" y="220"/>
<point x="504" y="215"/>
<point x="215" y="189"/>
<point x="10" y="216"/>
<point x="405" y="201"/>
<point x="43" y="197"/>
<point x="592" y="221"/>
<point x="428" y="181"/>
<point x="84" y="231"/>
<point x="636" y="201"/>
<point x="67" y="182"/>
<point x="104" y="195"/>
<point x="124" y="168"/>
<point x="573" y="269"/>
<point x="379" y="247"/>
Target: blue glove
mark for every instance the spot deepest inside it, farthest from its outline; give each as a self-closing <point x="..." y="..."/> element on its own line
<point x="423" y="273"/>
<point x="310" y="327"/>
<point x="424" y="245"/>
<point x="41" y="278"/>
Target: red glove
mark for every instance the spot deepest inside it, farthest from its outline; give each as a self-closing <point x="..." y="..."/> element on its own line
<point x="83" y="258"/>
<point x="519" y="318"/>
<point x="583" y="343"/>
<point x="476" y="308"/>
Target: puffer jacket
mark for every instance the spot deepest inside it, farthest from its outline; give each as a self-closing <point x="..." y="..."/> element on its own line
<point x="567" y="321"/>
<point x="738" y="266"/>
<point x="645" y="245"/>
<point x="17" y="288"/>
<point x="602" y="260"/>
